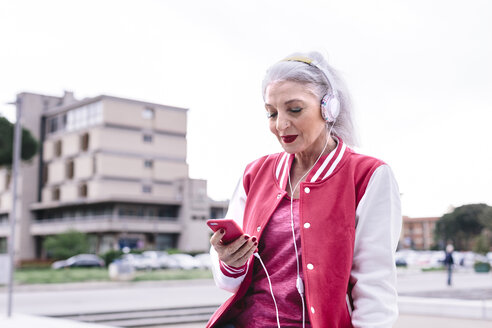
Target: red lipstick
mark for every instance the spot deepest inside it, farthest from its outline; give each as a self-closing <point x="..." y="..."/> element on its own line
<point x="289" y="138"/>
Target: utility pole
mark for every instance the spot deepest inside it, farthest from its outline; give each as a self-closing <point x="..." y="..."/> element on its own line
<point x="13" y="210"/>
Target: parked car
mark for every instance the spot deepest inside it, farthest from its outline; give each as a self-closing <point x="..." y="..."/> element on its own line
<point x="205" y="260"/>
<point x="401" y="262"/>
<point x="185" y="261"/>
<point x="489" y="257"/>
<point x="158" y="259"/>
<point x="79" y="261"/>
<point x="138" y="261"/>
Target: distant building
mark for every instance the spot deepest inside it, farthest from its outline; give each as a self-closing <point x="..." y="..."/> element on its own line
<point x="418" y="233"/>
<point x="111" y="167"/>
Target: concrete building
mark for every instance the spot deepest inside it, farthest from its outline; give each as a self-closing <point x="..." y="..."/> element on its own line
<point x="111" y="167"/>
<point x="418" y="233"/>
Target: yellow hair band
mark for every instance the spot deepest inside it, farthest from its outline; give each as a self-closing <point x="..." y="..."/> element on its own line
<point x="302" y="59"/>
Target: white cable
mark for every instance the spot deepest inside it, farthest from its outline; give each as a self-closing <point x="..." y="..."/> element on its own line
<point x="299" y="283"/>
<point x="271" y="289"/>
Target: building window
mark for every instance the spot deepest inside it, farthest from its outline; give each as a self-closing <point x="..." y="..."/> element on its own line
<point x="69" y="168"/>
<point x="146" y="189"/>
<point x="166" y="241"/>
<point x="94" y="165"/>
<point x="83" y="190"/>
<point x="82" y="117"/>
<point x="84" y="142"/>
<point x="3" y="245"/>
<point x="53" y="124"/>
<point x="148" y="163"/>
<point x="148" y="113"/>
<point x="64" y="122"/>
<point x="147" y="138"/>
<point x="55" y="193"/>
<point x="58" y="148"/>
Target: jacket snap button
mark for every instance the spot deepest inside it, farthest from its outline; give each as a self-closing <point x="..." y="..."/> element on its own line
<point x="307" y="190"/>
<point x="312" y="310"/>
<point x="310" y="266"/>
<point x="258" y="229"/>
<point x="279" y="195"/>
<point x="307" y="225"/>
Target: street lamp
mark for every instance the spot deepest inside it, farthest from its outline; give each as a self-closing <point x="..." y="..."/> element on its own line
<point x="13" y="210"/>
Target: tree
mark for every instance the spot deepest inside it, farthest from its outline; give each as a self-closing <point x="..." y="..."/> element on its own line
<point x="67" y="244"/>
<point x="29" y="143"/>
<point x="486" y="218"/>
<point x="461" y="226"/>
<point x="482" y="244"/>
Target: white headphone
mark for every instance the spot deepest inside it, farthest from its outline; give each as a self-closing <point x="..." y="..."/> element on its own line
<point x="330" y="103"/>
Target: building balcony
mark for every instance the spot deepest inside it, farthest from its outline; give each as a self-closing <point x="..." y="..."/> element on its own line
<point x="106" y="223"/>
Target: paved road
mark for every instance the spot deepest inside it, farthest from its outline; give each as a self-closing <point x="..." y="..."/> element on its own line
<point x="405" y="321"/>
<point x="97" y="297"/>
<point x="414" y="281"/>
<point x="107" y="297"/>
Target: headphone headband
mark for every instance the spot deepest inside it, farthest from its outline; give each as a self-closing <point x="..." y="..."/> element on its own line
<point x="311" y="62"/>
<point x="330" y="104"/>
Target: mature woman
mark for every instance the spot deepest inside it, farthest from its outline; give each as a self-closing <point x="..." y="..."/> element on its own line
<point x="321" y="221"/>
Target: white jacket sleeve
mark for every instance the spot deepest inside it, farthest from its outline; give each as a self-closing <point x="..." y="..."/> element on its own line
<point x="373" y="275"/>
<point x="226" y="277"/>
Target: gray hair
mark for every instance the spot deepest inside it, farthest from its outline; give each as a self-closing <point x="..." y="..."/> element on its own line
<point x="316" y="81"/>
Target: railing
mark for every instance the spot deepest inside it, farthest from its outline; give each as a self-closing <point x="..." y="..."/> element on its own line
<point x="104" y="217"/>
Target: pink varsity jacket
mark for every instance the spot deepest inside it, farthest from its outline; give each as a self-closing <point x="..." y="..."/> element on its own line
<point x="350" y="221"/>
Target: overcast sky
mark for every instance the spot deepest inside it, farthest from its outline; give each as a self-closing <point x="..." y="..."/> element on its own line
<point x="419" y="73"/>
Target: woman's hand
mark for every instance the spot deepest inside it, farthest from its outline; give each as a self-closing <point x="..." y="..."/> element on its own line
<point x="237" y="253"/>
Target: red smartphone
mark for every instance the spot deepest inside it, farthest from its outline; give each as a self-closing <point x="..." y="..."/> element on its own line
<point x="233" y="230"/>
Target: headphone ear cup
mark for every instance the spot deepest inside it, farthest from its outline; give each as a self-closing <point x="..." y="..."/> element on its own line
<point x="330" y="108"/>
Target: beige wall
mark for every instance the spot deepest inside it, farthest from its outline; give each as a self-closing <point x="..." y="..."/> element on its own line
<point x="3" y="179"/>
<point x="164" y="119"/>
<point x="70" y="144"/>
<point x="5" y="202"/>
<point x="6" y="194"/>
<point x="109" y="224"/>
<point x="130" y="141"/>
<point x="68" y="192"/>
<point x="131" y="167"/>
<point x="109" y="165"/>
<point x="105" y="189"/>
<point x="171" y="120"/>
<point x="168" y="170"/>
<point x="83" y="167"/>
<point x="49" y="149"/>
<point x="46" y="194"/>
<point x="56" y="172"/>
<point x="122" y="166"/>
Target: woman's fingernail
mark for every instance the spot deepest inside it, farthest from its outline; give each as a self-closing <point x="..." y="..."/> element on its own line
<point x="256" y="244"/>
<point x="222" y="231"/>
<point x="253" y="239"/>
<point x="246" y="237"/>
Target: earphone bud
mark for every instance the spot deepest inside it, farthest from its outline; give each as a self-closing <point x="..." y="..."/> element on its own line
<point x="330" y="108"/>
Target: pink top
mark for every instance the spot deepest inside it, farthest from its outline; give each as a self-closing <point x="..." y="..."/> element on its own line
<point x="276" y="249"/>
